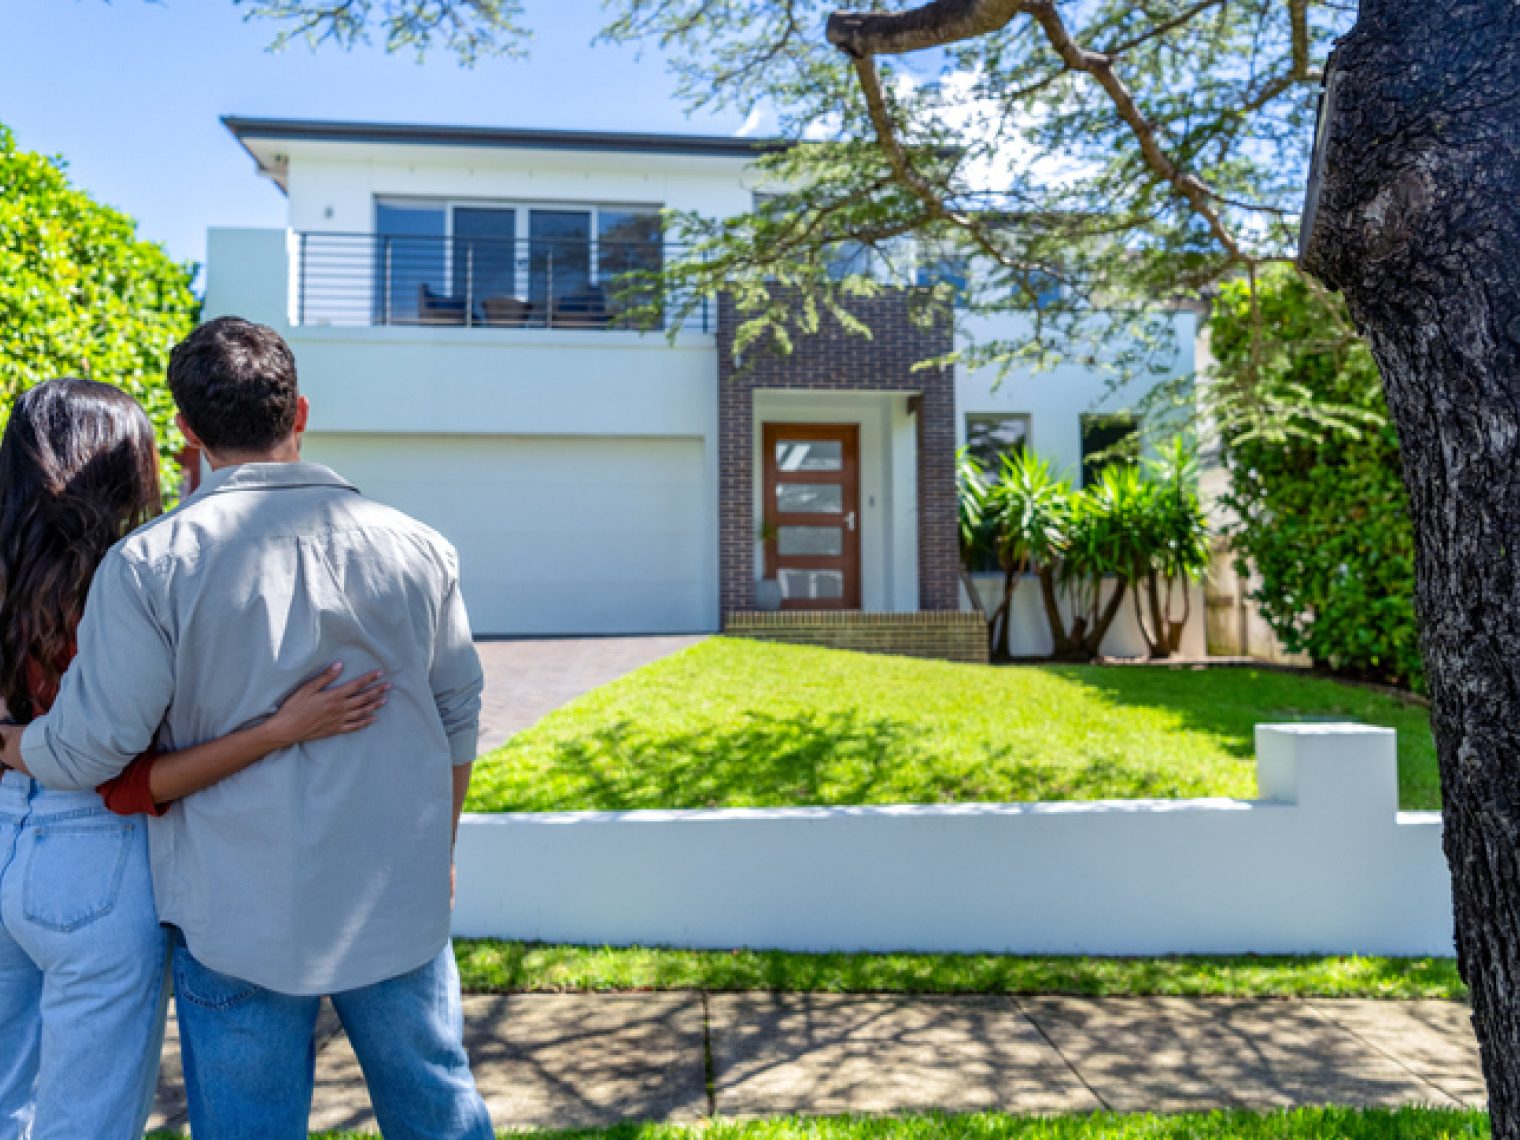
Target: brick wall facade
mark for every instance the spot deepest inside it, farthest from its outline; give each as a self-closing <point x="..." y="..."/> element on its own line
<point x="944" y="635"/>
<point x="838" y="361"/>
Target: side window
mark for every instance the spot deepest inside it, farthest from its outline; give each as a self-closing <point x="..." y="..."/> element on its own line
<point x="992" y="435"/>
<point x="1108" y="439"/>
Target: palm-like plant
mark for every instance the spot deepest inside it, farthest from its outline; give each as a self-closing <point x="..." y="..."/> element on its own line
<point x="1179" y="548"/>
<point x="976" y="538"/>
<point x="1027" y="511"/>
<point x="1111" y="536"/>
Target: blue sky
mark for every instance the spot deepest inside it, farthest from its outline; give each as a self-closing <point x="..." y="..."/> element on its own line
<point x="130" y="91"/>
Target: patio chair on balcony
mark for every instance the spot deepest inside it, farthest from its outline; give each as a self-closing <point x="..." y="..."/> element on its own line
<point x="507" y="312"/>
<point x="438" y="308"/>
<point x="586" y="310"/>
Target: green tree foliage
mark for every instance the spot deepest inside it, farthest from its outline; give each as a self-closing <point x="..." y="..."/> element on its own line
<point x="81" y="294"/>
<point x="1086" y="160"/>
<point x="1322" y="516"/>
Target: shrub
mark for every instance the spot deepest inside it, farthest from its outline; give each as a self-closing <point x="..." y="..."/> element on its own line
<point x="81" y="295"/>
<point x="1322" y="514"/>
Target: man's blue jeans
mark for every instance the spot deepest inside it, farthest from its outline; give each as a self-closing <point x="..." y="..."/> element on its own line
<point x="250" y="1059"/>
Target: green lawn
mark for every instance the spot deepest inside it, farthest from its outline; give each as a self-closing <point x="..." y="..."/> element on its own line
<point x="1298" y="1124"/>
<point x="487" y="966"/>
<point x="732" y="723"/>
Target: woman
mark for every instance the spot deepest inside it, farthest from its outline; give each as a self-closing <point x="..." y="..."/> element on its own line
<point x="81" y="952"/>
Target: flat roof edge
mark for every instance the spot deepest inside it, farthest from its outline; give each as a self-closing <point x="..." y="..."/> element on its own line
<point x="315" y="130"/>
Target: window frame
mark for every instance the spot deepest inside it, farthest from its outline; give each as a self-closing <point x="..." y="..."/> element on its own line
<point x="523" y="208"/>
<point x="1026" y="444"/>
<point x="1090" y="472"/>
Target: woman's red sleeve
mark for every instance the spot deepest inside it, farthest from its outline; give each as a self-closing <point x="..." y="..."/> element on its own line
<point x="130" y="793"/>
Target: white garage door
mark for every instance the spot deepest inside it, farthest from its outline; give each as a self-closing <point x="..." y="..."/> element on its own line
<point x="555" y="534"/>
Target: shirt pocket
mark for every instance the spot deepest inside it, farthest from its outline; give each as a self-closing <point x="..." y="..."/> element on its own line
<point x="74" y="874"/>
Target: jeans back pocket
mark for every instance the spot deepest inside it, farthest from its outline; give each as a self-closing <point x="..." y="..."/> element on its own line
<point x="75" y="871"/>
<point x="200" y="985"/>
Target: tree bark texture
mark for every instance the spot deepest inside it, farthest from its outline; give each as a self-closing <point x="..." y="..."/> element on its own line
<point x="1418" y="225"/>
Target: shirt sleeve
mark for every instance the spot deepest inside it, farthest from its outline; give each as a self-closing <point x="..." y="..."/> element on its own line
<point x="114" y="695"/>
<point x="131" y="793"/>
<point x="455" y="676"/>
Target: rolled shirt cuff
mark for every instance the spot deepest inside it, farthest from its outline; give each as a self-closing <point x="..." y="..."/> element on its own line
<point x="38" y="757"/>
<point x="464" y="745"/>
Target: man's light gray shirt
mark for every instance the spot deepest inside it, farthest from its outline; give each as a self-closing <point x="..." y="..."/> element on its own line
<point x="325" y="866"/>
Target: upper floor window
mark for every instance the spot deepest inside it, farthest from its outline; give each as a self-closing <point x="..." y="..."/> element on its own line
<point x="992" y="435"/>
<point x="1108" y="439"/>
<point x="512" y="264"/>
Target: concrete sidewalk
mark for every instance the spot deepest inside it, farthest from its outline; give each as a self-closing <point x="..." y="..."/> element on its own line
<point x="583" y="1060"/>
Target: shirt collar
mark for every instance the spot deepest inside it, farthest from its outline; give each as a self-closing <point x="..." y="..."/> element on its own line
<point x="270" y="476"/>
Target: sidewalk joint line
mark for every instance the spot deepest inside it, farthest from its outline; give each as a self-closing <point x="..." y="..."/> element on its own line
<point x="1376" y="1048"/>
<point x="1018" y="1006"/>
<point x="709" y="1073"/>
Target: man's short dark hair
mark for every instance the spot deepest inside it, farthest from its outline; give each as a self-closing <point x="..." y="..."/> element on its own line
<point x="235" y="384"/>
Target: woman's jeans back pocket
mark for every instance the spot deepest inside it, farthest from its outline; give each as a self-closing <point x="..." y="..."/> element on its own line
<point x="74" y="873"/>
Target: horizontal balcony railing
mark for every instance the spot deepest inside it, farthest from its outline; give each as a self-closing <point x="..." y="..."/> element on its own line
<point x="485" y="282"/>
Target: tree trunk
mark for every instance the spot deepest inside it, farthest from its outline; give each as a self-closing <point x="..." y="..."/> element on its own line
<point x="1004" y="644"/>
<point x="1417" y="226"/>
<point x="1062" y="645"/>
<point x="1092" y="641"/>
<point x="1153" y="640"/>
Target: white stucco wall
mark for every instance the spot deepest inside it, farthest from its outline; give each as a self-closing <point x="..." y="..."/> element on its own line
<point x="1323" y="862"/>
<point x="1056" y="399"/>
<point x="333" y="186"/>
<point x="1030" y="629"/>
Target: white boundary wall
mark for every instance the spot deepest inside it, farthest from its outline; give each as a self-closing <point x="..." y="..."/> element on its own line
<point x="1323" y="862"/>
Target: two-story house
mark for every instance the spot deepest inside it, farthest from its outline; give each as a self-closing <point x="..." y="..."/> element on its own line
<point x="452" y="296"/>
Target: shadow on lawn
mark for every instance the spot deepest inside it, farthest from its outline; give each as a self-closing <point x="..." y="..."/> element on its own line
<point x="760" y="759"/>
<point x="810" y="757"/>
<point x="1229" y="703"/>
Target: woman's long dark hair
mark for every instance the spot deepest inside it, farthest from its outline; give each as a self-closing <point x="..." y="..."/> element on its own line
<point x="78" y="470"/>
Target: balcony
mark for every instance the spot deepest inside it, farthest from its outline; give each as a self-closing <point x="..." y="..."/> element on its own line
<point x="347" y="279"/>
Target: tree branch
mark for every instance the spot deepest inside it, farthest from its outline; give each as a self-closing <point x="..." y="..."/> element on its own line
<point x="864" y="35"/>
<point x="903" y="170"/>
<point x="1101" y="68"/>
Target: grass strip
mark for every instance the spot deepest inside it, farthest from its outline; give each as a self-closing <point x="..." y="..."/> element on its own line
<point x="488" y="966"/>
<point x="1288" y="1124"/>
<point x="1294" y="1124"/>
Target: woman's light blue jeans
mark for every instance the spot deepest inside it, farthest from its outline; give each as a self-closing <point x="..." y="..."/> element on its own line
<point x="250" y="1058"/>
<point x="82" y="993"/>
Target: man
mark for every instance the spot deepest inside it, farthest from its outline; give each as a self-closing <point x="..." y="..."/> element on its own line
<point x="326" y="868"/>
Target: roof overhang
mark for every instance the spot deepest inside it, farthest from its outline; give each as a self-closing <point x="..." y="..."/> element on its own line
<point x="267" y="140"/>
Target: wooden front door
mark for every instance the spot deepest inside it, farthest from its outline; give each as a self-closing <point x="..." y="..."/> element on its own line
<point x="812" y="514"/>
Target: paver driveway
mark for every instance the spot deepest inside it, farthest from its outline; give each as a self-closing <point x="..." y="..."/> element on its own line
<point x="526" y="679"/>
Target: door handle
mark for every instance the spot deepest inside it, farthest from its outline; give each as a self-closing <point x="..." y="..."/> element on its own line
<point x="849" y="520"/>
